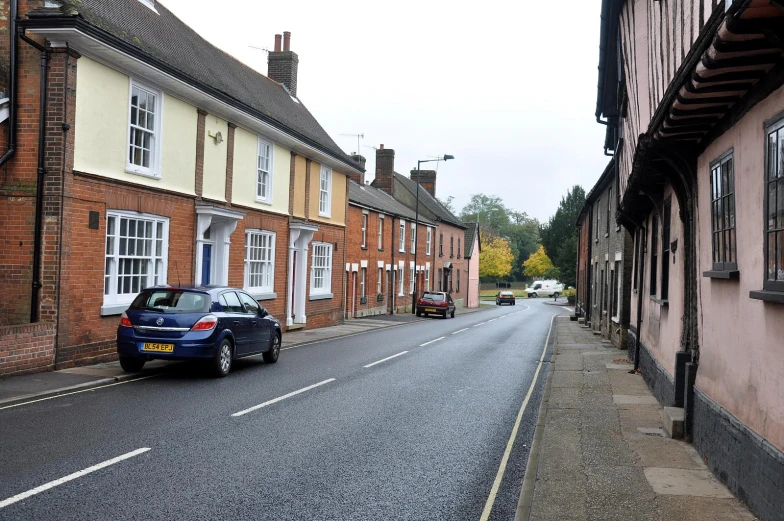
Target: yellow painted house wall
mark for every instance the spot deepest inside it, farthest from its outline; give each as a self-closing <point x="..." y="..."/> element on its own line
<point x="101" y="131"/>
<point x="244" y="176"/>
<point x="338" y="203"/>
<point x="215" y="158"/>
<point x="299" y="187"/>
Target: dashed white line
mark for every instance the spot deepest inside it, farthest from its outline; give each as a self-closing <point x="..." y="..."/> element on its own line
<point x="428" y="343"/>
<point x="492" y="319"/>
<point x="70" y="477"/>
<point x="385" y="359"/>
<point x="280" y="398"/>
<point x="570" y="310"/>
<point x="460" y="330"/>
<point x="480" y="324"/>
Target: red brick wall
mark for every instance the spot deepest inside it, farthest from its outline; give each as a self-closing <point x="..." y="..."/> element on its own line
<point x="86" y="336"/>
<point x="583" y="267"/>
<point x="272" y="223"/>
<point x="328" y="312"/>
<point x="27" y="348"/>
<point x="453" y="255"/>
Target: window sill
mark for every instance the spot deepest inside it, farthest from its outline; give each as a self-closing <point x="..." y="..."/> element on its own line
<point x="606" y="235"/>
<point x="662" y="302"/>
<point x="767" y="296"/>
<point x="151" y="175"/>
<point x="724" y="274"/>
<point x="363" y="248"/>
<point x="326" y="215"/>
<point x="616" y="320"/>
<point x="320" y="296"/>
<point x="263" y="296"/>
<point x="381" y="249"/>
<point x="268" y="202"/>
<point x="113" y="309"/>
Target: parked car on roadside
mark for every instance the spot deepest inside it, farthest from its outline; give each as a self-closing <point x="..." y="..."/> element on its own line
<point x="211" y="323"/>
<point x="435" y="303"/>
<point x="545" y="288"/>
<point x="505" y="297"/>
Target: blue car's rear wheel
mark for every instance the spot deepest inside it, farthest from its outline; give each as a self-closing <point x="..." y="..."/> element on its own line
<point x="271" y="355"/>
<point x="222" y="362"/>
<point x="131" y="365"/>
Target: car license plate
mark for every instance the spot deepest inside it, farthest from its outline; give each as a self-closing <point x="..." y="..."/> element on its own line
<point x="430" y="310"/>
<point x="158" y="348"/>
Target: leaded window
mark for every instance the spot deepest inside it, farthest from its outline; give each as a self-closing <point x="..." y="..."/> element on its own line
<point x="723" y="214"/>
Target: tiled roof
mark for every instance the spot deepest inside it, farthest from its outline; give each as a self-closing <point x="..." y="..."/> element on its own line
<point x="165" y="38"/>
<point x="429" y="201"/>
<point x="373" y="198"/>
<point x="471" y="232"/>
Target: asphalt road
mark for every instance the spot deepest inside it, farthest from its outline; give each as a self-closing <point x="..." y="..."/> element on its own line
<point x="418" y="436"/>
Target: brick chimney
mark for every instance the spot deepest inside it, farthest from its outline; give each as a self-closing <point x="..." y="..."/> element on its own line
<point x="427" y="179"/>
<point x="282" y="64"/>
<point x="360" y="160"/>
<point x="385" y="170"/>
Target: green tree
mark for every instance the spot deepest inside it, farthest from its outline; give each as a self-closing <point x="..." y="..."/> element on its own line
<point x="559" y="231"/>
<point x="523" y="236"/>
<point x="489" y="211"/>
<point x="495" y="258"/>
<point x="447" y="203"/>
<point x="539" y="265"/>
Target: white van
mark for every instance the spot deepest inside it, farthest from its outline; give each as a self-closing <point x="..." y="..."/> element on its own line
<point x="545" y="288"/>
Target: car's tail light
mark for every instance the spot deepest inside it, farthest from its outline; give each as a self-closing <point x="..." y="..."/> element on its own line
<point x="205" y="323"/>
<point x="125" y="321"/>
<point x="442" y="304"/>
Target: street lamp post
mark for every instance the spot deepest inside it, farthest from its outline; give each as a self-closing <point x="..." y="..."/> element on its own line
<point x="446" y="157"/>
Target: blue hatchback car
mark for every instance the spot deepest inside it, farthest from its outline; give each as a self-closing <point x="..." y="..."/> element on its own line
<point x="216" y="324"/>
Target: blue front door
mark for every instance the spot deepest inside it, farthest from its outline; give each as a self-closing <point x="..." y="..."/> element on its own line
<point x="206" y="263"/>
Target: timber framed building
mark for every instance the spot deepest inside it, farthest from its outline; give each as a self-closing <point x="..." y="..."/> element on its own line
<point x="691" y="95"/>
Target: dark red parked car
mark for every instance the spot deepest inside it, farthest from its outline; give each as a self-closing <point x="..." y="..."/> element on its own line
<point x="435" y="303"/>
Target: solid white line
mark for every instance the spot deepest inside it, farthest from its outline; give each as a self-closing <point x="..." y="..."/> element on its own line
<point x="460" y="330"/>
<point x="428" y="343"/>
<point x="385" y="359"/>
<point x="502" y="468"/>
<point x="70" y="477"/>
<point x="570" y="310"/>
<point x="276" y="400"/>
<point x="77" y="392"/>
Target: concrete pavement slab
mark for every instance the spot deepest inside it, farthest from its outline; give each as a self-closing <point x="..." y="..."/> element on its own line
<point x="686" y="482"/>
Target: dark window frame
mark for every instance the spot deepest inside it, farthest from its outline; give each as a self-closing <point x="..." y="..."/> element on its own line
<point x="723" y="257"/>
<point x="609" y="210"/>
<point x="654" y="253"/>
<point x="665" y="258"/>
<point x="776" y="128"/>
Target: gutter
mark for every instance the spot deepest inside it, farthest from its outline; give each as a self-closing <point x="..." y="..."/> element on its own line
<point x="78" y="24"/>
<point x="41" y="171"/>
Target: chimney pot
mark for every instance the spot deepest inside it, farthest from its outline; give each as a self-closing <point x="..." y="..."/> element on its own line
<point x="382" y="146"/>
<point x="277" y="42"/>
<point x="286" y="40"/>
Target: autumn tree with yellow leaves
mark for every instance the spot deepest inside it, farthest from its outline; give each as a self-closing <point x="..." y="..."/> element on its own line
<point x="539" y="265"/>
<point x="496" y="257"/>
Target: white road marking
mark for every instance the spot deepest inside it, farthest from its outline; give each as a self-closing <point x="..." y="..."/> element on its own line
<point x="509" y="444"/>
<point x="70" y="477"/>
<point x="492" y="319"/>
<point x="77" y="392"/>
<point x="460" y="330"/>
<point x="280" y="398"/>
<point x="570" y="310"/>
<point x="480" y="324"/>
<point x="428" y="343"/>
<point x="385" y="359"/>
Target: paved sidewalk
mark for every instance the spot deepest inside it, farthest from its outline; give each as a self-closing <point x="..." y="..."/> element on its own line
<point x="599" y="451"/>
<point x="18" y="388"/>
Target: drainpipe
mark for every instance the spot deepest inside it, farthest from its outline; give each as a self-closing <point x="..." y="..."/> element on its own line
<point x="39" y="196"/>
<point x="589" y="269"/>
<point x="12" y="88"/>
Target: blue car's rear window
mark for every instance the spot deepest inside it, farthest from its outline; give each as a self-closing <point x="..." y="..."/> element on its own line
<point x="172" y="301"/>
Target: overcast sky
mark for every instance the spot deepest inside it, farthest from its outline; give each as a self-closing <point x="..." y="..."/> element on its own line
<point x="508" y="88"/>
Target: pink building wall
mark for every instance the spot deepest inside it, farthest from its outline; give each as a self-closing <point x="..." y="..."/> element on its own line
<point x="661" y="325"/>
<point x="473" y="279"/>
<point x="741" y="339"/>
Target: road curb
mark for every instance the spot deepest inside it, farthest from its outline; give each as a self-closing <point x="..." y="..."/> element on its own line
<point x="59" y="390"/>
<point x="523" y="512"/>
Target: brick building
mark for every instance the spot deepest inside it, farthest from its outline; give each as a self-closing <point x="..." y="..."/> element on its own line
<point x="158" y="159"/>
<point x="605" y="255"/>
<point x="450" y="267"/>
<point x="380" y="255"/>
